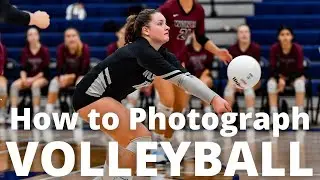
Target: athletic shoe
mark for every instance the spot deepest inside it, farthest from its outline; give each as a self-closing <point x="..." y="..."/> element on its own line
<point x="161" y="156"/>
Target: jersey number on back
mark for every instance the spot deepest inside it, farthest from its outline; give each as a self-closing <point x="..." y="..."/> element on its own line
<point x="184" y="33"/>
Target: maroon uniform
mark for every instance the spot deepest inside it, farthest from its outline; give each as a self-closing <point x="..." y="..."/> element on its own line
<point x="196" y="61"/>
<point x="253" y="50"/>
<point x="3" y="58"/>
<point x="182" y="24"/>
<point x="289" y="65"/>
<point x="33" y="64"/>
<point x="71" y="64"/>
<point x="111" y="48"/>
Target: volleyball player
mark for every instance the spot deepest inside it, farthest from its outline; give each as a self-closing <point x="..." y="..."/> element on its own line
<point x="35" y="59"/>
<point x="183" y="18"/>
<point x="10" y="14"/>
<point x="132" y="67"/>
<point x="73" y="60"/>
<point x="286" y="59"/>
<point x="198" y="62"/>
<point x="3" y="83"/>
<point x="244" y="46"/>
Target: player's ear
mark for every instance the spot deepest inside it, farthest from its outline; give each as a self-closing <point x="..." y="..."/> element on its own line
<point x="145" y="30"/>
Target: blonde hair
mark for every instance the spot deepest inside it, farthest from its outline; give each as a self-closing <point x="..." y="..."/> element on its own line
<point x="80" y="45"/>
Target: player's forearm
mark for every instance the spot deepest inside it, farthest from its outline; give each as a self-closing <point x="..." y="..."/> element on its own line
<point x="12" y="15"/>
<point x="194" y="86"/>
<point x="211" y="47"/>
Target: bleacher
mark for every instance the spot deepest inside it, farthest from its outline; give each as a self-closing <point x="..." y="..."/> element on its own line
<point x="92" y="29"/>
<point x="263" y="18"/>
<point x="302" y="15"/>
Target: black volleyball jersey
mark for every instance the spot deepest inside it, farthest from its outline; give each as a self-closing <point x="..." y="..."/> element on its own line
<point x="129" y="68"/>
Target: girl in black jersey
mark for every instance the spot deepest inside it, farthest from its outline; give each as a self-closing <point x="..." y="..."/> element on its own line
<point x="132" y="67"/>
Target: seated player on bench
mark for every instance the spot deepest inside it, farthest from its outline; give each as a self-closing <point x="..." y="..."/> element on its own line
<point x="73" y="60"/>
<point x="198" y="62"/>
<point x="243" y="46"/>
<point x="34" y="75"/>
<point x="286" y="58"/>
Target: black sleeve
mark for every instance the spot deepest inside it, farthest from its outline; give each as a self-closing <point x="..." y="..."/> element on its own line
<point x="162" y="63"/>
<point x="202" y="39"/>
<point x="12" y="15"/>
<point x="172" y="59"/>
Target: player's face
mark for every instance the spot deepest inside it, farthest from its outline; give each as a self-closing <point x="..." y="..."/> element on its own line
<point x="244" y="34"/>
<point x="71" y="38"/>
<point x="285" y="37"/>
<point x="120" y="34"/>
<point x="32" y="36"/>
<point x="158" y="29"/>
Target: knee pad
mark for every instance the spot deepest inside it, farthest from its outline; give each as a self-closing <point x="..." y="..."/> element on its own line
<point x="54" y="85"/>
<point x="299" y="86"/>
<point x="272" y="86"/>
<point x="164" y="109"/>
<point x="134" y="95"/>
<point x="3" y="91"/>
<point x="36" y="92"/>
<point x="14" y="90"/>
<point x="229" y="91"/>
<point x="132" y="146"/>
<point x="249" y="92"/>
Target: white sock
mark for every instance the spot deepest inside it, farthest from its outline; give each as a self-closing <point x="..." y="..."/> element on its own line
<point x="80" y="122"/>
<point x="2" y="110"/>
<point x="250" y="110"/>
<point x="107" y="177"/>
<point x="2" y="114"/>
<point x="49" y="108"/>
<point x="207" y="109"/>
<point x="273" y="109"/>
<point x="36" y="109"/>
<point x="250" y="121"/>
<point x="129" y="105"/>
<point x="301" y="109"/>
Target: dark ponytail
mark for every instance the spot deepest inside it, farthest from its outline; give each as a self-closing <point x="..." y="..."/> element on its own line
<point x="129" y="32"/>
<point x="136" y="22"/>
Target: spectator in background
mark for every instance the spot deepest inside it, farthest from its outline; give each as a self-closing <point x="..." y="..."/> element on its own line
<point x="243" y="46"/>
<point x="286" y="61"/>
<point x="35" y="59"/>
<point x="198" y="62"/>
<point x="111" y="48"/>
<point x="3" y="83"/>
<point x="73" y="59"/>
<point x="76" y="11"/>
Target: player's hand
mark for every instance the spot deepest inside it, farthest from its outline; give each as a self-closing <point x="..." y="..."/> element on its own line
<point x="224" y="56"/>
<point x="281" y="85"/>
<point x="220" y="105"/>
<point x="40" y="19"/>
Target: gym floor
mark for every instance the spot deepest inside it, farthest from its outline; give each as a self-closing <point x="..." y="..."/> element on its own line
<point x="309" y="151"/>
